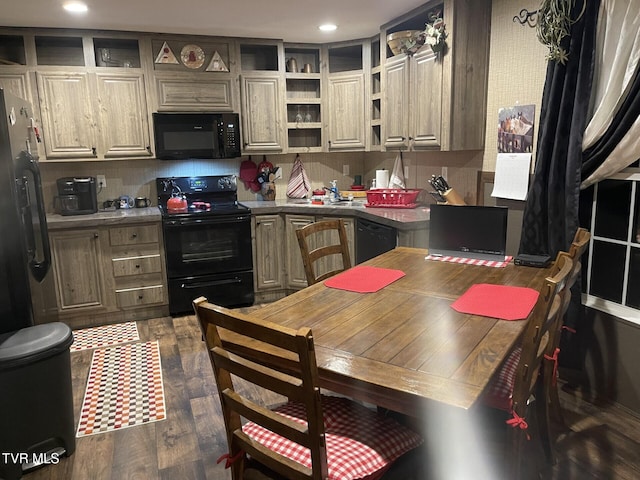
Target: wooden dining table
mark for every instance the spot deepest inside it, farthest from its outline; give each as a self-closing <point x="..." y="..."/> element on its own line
<point x="404" y="347"/>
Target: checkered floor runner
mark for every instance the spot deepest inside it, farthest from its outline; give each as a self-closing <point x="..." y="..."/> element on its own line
<point x="104" y="336"/>
<point x="124" y="389"/>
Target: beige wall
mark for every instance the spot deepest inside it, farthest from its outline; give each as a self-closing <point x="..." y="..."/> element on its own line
<point x="517" y="68"/>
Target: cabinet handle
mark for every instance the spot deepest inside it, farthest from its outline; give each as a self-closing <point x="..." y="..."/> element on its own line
<point x="410" y="139"/>
<point x="140" y="297"/>
<point x="95" y="235"/>
<point x="94" y="151"/>
<point x="149" y="148"/>
<point x="134" y="235"/>
<point x="137" y="266"/>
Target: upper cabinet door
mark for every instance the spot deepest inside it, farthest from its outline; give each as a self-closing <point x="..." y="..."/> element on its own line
<point x="261" y="113"/>
<point x="346" y="112"/>
<point x="122" y="115"/>
<point x="426" y="105"/>
<point x="396" y="103"/>
<point x="67" y="119"/>
<point x="15" y="83"/>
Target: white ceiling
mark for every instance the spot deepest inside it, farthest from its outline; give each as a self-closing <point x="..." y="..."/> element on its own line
<point x="292" y="21"/>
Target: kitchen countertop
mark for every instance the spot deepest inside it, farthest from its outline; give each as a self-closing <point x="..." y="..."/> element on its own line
<point x="400" y="218"/>
<point x="103" y="218"/>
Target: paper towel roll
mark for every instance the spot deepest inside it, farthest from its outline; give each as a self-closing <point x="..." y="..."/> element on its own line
<point x="382" y="178"/>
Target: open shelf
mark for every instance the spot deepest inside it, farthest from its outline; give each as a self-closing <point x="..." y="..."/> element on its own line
<point x="310" y="113"/>
<point x="302" y="88"/>
<point x="304" y="138"/>
<point x="12" y="50"/>
<point x="345" y="59"/>
<point x="116" y="52"/>
<point x="259" y="57"/>
<point x="60" y="51"/>
<point x="303" y="56"/>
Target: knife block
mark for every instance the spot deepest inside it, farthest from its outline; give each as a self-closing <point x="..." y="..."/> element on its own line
<point x="453" y="198"/>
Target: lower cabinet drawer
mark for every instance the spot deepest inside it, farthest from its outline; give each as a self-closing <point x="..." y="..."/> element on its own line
<point x="126" y="266"/>
<point x="135" y="297"/>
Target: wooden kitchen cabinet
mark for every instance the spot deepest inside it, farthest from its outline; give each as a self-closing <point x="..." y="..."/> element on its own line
<point x="17" y="84"/>
<point x="109" y="274"/>
<point x="190" y="93"/>
<point x="94" y="115"/>
<point x="296" y="278"/>
<point x="413" y="101"/>
<point x="268" y="262"/>
<point x="438" y="102"/>
<point x="137" y="266"/>
<point x="346" y="121"/>
<point x="123" y="127"/>
<point x="78" y="273"/>
<point x="346" y="87"/>
<point x="262" y="113"/>
<point x="211" y="87"/>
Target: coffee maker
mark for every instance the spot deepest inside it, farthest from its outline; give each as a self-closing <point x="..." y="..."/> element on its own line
<point x="76" y="196"/>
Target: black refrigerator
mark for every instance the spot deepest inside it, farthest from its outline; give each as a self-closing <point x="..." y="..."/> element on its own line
<point x="27" y="294"/>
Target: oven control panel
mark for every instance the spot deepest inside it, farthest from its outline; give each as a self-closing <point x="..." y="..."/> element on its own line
<point x="198" y="184"/>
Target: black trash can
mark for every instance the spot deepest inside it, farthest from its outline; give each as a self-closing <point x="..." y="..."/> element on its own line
<point x="36" y="399"/>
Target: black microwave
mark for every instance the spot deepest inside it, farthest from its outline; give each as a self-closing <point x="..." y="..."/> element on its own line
<point x="182" y="136"/>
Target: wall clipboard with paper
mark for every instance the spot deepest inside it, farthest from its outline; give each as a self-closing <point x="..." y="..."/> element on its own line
<point x="515" y="144"/>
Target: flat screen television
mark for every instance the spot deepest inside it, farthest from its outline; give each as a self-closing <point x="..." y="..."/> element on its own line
<point x="468" y="231"/>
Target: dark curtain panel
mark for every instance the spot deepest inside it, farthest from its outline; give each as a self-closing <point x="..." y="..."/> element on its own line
<point x="551" y="212"/>
<point x="551" y="215"/>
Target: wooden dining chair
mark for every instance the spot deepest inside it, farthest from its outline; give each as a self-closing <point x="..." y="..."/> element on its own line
<point x="311" y="436"/>
<point x="517" y="382"/>
<point x="320" y="232"/>
<point x="550" y="373"/>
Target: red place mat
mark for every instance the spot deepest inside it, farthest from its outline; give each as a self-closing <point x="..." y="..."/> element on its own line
<point x="363" y="279"/>
<point x="497" y="301"/>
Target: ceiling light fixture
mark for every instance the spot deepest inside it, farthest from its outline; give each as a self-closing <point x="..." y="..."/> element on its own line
<point x="328" y="27"/>
<point x="75" y="7"/>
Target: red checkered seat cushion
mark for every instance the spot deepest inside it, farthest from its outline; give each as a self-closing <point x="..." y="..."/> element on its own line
<point x="500" y="391"/>
<point x="360" y="443"/>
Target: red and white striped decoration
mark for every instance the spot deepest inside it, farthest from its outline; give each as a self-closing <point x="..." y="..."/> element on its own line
<point x="299" y="184"/>
<point x="471" y="261"/>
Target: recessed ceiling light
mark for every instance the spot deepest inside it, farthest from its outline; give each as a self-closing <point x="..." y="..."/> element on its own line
<point x="75" y="7"/>
<point x="328" y="27"/>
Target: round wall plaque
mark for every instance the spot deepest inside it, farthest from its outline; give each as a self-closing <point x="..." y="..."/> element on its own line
<point x="192" y="56"/>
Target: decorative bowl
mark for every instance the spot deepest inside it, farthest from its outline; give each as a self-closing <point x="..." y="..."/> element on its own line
<point x="403" y="41"/>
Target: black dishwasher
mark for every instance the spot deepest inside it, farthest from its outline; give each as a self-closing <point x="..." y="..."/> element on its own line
<point x="373" y="239"/>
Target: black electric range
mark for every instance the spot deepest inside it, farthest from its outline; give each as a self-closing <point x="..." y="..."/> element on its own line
<point x="207" y="244"/>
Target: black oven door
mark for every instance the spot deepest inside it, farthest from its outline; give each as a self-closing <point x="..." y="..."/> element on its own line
<point x="207" y="245"/>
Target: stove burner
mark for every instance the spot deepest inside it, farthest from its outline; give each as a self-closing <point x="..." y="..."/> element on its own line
<point x="200" y="206"/>
<point x="212" y="195"/>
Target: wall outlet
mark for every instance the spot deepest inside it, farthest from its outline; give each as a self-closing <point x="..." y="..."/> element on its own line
<point x="345" y="169"/>
<point x="101" y="180"/>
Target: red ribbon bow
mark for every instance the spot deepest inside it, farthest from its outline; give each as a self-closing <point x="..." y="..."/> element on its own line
<point x="229" y="459"/>
<point x="554" y="359"/>
<point x="518" y="422"/>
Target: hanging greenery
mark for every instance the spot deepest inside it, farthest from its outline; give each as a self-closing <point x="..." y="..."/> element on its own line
<point x="554" y="24"/>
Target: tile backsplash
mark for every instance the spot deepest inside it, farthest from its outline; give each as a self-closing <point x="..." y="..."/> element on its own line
<point x="137" y="177"/>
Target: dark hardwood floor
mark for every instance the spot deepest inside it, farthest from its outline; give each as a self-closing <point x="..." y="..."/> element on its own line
<point x="603" y="443"/>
